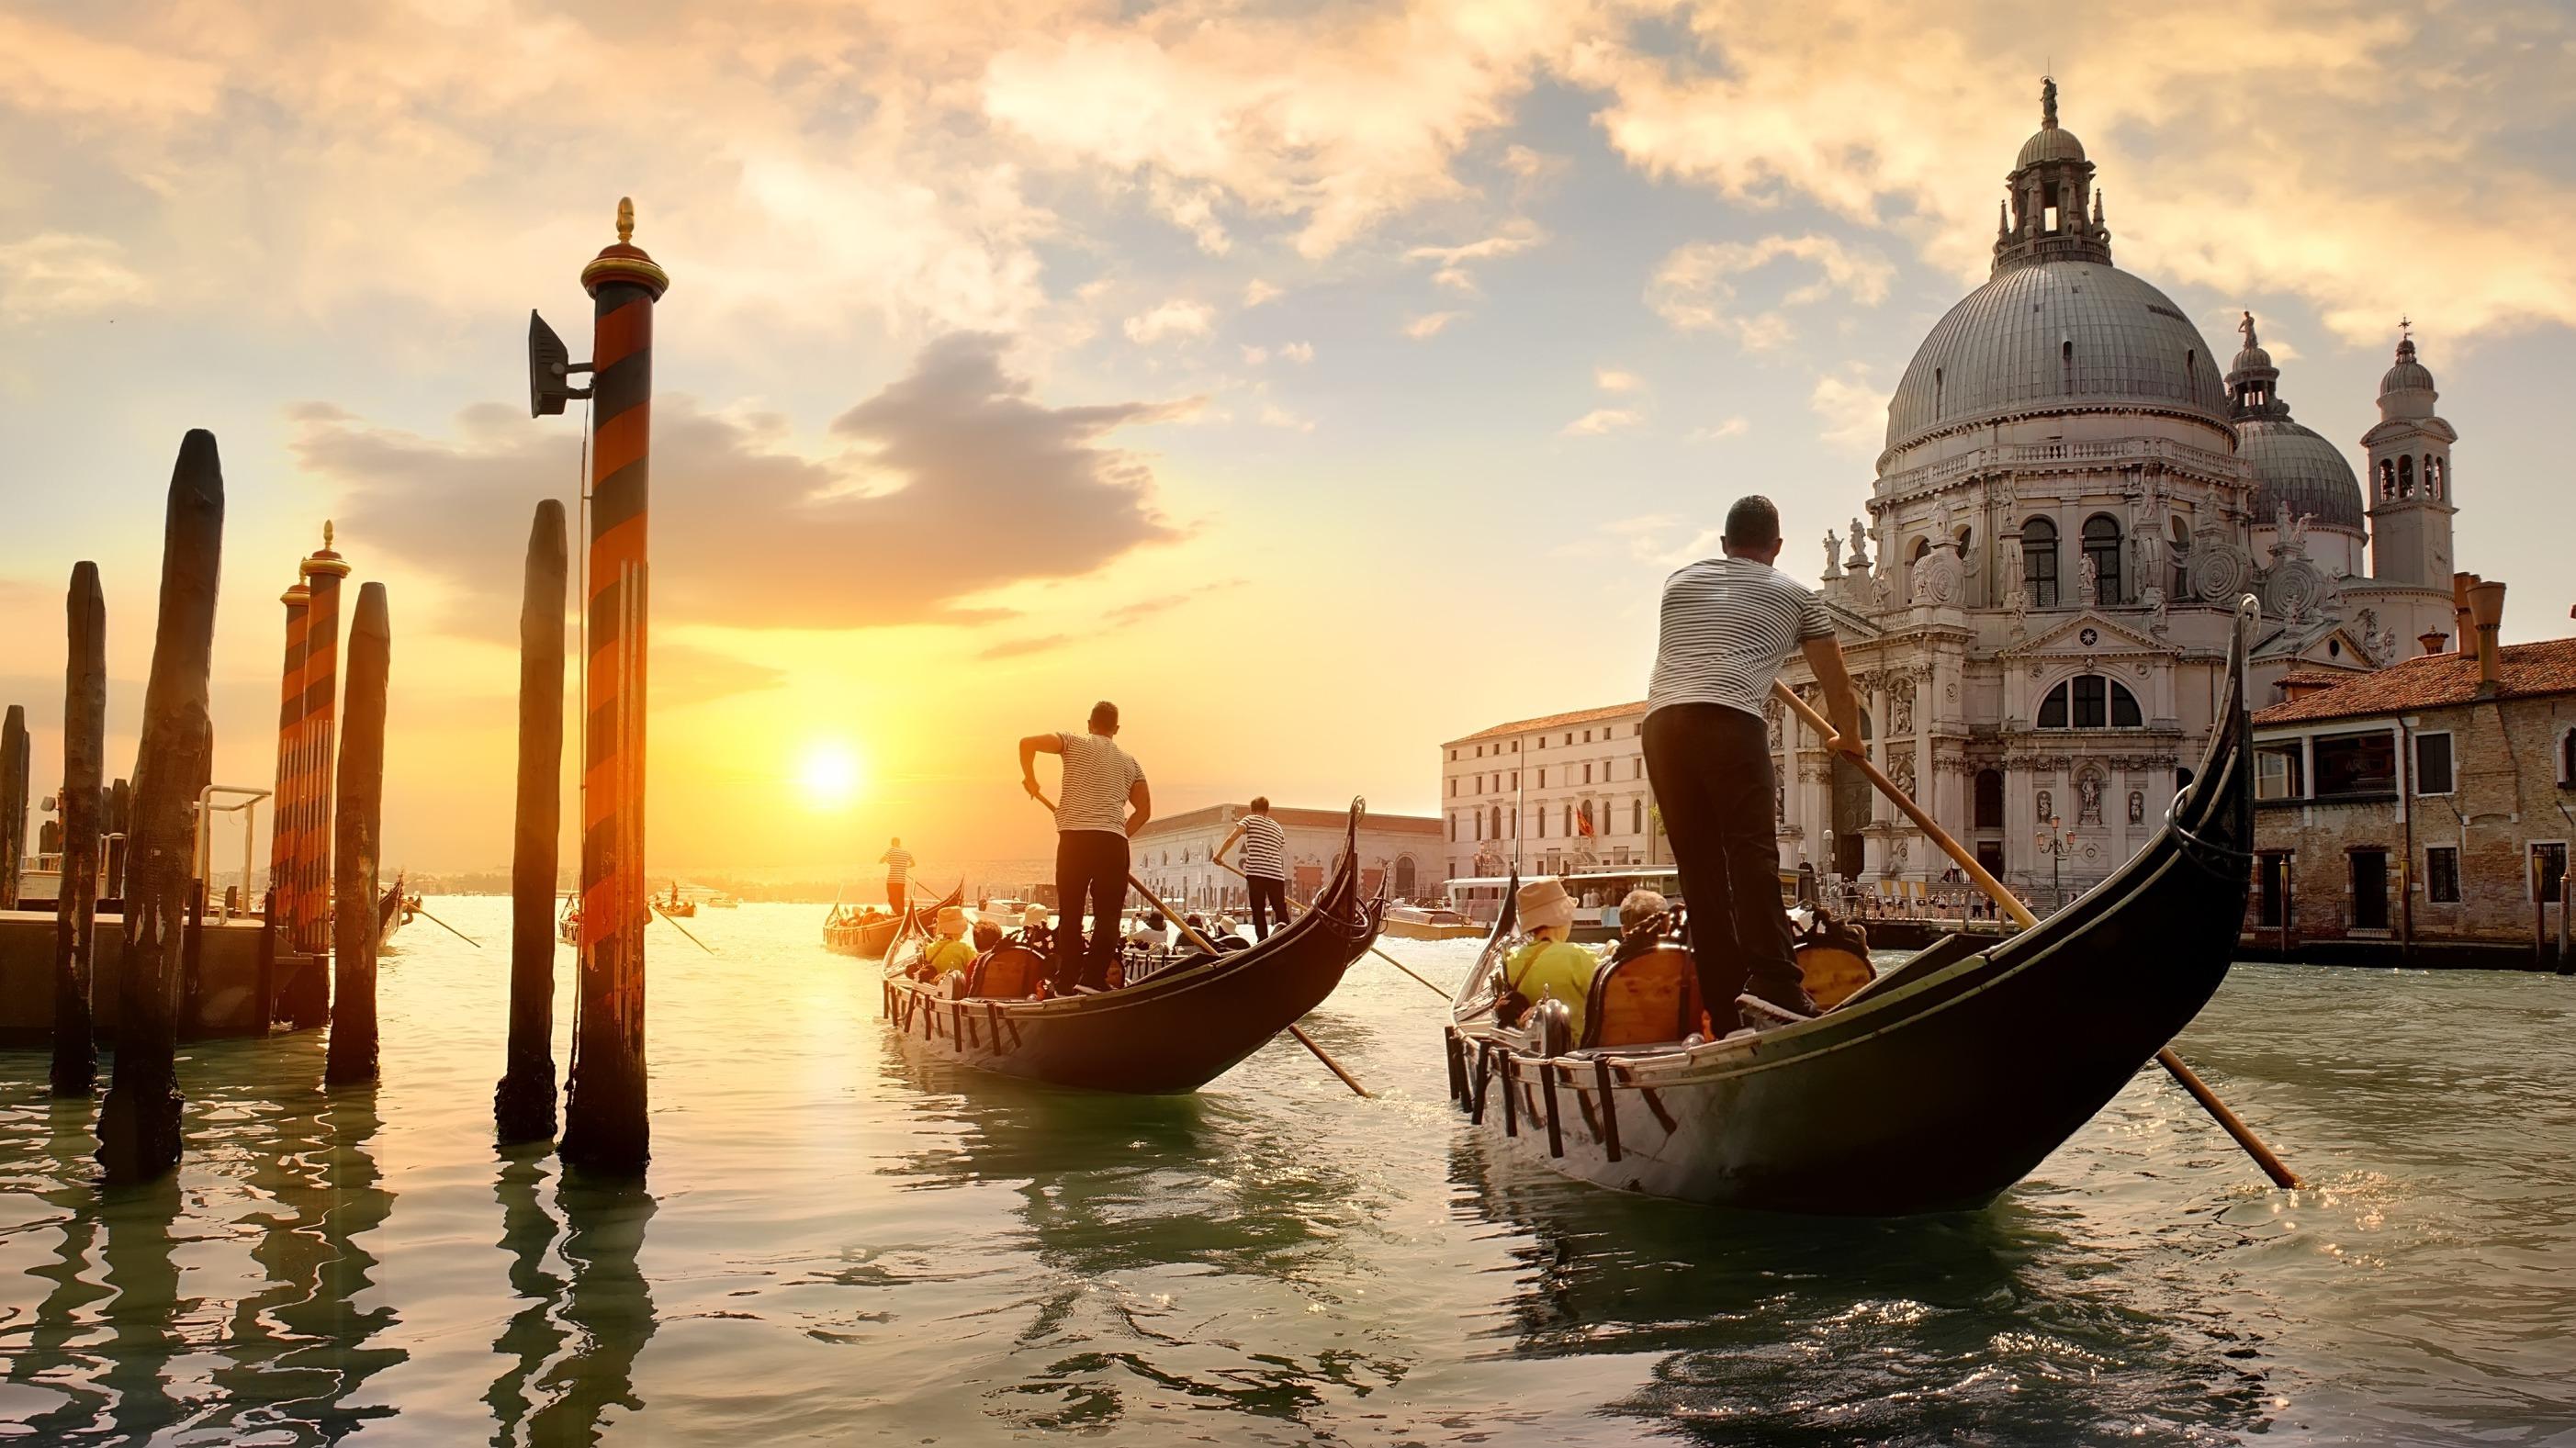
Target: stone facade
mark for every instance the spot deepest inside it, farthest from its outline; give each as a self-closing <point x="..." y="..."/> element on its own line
<point x="1526" y="791"/>
<point x="1402" y="852"/>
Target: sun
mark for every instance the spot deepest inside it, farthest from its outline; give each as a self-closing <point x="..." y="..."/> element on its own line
<point x="828" y="774"/>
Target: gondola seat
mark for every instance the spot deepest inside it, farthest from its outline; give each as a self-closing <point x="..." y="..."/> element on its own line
<point x="1650" y="998"/>
<point x="1006" y="972"/>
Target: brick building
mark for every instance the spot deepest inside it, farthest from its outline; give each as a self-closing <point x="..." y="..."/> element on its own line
<point x="2420" y="814"/>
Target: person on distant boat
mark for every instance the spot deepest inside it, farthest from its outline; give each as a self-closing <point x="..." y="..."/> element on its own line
<point x="898" y="863"/>
<point x="949" y="951"/>
<point x="1104" y="801"/>
<point x="1265" y="864"/>
<point x="1550" y="964"/>
<point x="1727" y="625"/>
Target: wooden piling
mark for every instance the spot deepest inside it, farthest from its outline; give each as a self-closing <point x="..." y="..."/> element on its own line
<point x="286" y="803"/>
<point x="13" y="803"/>
<point x="75" y="1068"/>
<point x="357" y="838"/>
<point x="605" y="1127"/>
<point x="523" y="1105"/>
<point x="118" y="825"/>
<point x="138" y="1128"/>
<point x="315" y="881"/>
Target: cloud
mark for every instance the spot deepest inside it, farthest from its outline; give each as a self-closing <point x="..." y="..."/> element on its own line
<point x="955" y="481"/>
<point x="1429" y="324"/>
<point x="684" y="674"/>
<point x="1298" y="352"/>
<point x="1255" y="356"/>
<point x="1854" y="409"/>
<point x="1693" y="287"/>
<point x="1257" y="291"/>
<point x="1611" y="379"/>
<point x="1718" y="431"/>
<point x="53" y="274"/>
<point x="1600" y="420"/>
<point x="1273" y="415"/>
<point x="1017" y="648"/>
<point x="1144" y="608"/>
<point x="1171" y="319"/>
<point x="1112" y="621"/>
<point x="1452" y="263"/>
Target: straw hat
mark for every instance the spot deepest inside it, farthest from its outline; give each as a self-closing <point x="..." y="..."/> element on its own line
<point x="1033" y="918"/>
<point x="952" y="921"/>
<point x="1543" y="901"/>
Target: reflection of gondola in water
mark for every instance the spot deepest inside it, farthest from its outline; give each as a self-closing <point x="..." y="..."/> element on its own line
<point x="1174" y="1030"/>
<point x="1939" y="1086"/>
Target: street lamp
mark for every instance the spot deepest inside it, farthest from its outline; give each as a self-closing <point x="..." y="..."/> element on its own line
<point x="2057" y="842"/>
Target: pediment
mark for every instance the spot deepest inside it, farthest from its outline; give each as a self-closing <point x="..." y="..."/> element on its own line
<point x="2108" y="637"/>
<point x="1850" y="625"/>
<point x="2308" y="645"/>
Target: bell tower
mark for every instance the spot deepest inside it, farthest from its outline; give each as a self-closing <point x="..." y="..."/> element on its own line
<point x="2043" y="217"/>
<point x="2409" y="484"/>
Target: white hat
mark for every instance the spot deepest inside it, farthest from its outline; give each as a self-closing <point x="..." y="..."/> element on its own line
<point x="1033" y="917"/>
<point x="952" y="922"/>
<point x="1543" y="901"/>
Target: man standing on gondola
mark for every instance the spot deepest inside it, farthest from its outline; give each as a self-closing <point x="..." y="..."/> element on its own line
<point x="1265" y="865"/>
<point x="1092" y="824"/>
<point x="898" y="863"/>
<point x="1728" y="623"/>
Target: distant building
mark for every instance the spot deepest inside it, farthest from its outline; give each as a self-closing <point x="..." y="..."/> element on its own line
<point x="1171" y="854"/>
<point x="2422" y="812"/>
<point x="1578" y="781"/>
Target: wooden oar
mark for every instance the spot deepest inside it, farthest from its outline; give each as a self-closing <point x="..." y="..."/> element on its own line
<point x="676" y="925"/>
<point x="1203" y="943"/>
<point x="1373" y="950"/>
<point x="2183" y="1075"/>
<point x="450" y="929"/>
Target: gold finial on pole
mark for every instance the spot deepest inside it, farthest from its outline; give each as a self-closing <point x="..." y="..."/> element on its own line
<point x="626" y="219"/>
<point x="326" y="532"/>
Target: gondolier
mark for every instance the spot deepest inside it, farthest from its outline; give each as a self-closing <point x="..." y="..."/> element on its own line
<point x="1728" y="623"/>
<point x="1093" y="820"/>
<point x="898" y="863"/>
<point x="1265" y="864"/>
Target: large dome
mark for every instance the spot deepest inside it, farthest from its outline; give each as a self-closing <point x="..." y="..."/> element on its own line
<point x="2056" y="336"/>
<point x="2295" y="466"/>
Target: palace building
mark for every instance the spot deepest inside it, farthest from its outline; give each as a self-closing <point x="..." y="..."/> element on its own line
<point x="2075" y="493"/>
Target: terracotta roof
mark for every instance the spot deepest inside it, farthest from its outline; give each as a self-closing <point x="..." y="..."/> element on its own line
<point x="1577" y="719"/>
<point x="2433" y="681"/>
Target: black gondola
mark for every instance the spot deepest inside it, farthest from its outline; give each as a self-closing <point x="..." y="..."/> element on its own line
<point x="1936" y="1087"/>
<point x="1173" y="1031"/>
<point x="870" y="937"/>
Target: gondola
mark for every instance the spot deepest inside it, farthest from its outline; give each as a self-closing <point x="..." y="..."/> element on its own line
<point x="1936" y="1087"/>
<point x="869" y="937"/>
<point x="393" y="910"/>
<point x="1172" y="1031"/>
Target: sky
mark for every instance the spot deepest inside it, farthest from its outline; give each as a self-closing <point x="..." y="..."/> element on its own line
<point x="1318" y="381"/>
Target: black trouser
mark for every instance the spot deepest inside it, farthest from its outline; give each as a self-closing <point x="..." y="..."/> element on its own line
<point x="896" y="894"/>
<point x="1270" y="893"/>
<point x="1710" y="769"/>
<point x="1092" y="862"/>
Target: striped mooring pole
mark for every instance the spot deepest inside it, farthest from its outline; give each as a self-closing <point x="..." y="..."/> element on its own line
<point x="285" y="807"/>
<point x="604" y="1109"/>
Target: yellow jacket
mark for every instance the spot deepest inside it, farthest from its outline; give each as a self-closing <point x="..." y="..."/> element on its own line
<point x="947" y="955"/>
<point x="1558" y="968"/>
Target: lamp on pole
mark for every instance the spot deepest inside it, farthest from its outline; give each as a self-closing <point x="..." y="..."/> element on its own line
<point x="2057" y="842"/>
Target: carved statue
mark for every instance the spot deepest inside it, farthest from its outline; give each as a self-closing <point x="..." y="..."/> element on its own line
<point x="2088" y="582"/>
<point x="1833" y="555"/>
<point x="2137" y="807"/>
<point x="1904" y="707"/>
<point x="2088" y="799"/>
<point x="2247" y="328"/>
<point x="2047" y="806"/>
<point x="1859" y="546"/>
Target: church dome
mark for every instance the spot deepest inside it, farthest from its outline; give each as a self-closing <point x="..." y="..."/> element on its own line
<point x="2294" y="466"/>
<point x="2056" y="336"/>
<point x="2408" y="375"/>
<point x="2051" y="142"/>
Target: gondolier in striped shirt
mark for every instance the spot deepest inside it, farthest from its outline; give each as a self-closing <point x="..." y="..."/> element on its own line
<point x="898" y="863"/>
<point x="1265" y="864"/>
<point x="1728" y="623"/>
<point x="1093" y="818"/>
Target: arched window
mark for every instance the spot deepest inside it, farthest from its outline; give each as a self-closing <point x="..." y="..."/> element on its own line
<point x="1498" y="823"/>
<point x="2039" y="561"/>
<point x="1990" y="799"/>
<point x="1587" y="817"/>
<point x="2102" y="545"/>
<point x="2433" y="471"/>
<point x="1404" y="878"/>
<point x="2387" y="478"/>
<point x="2406" y="475"/>
<point x="1636" y="816"/>
<point x="2090" y="701"/>
<point x="2181" y="562"/>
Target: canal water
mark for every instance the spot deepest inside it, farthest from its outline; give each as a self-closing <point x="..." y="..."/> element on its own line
<point x="838" y="1244"/>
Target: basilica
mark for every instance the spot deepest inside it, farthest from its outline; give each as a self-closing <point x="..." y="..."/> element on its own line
<point x="2075" y="494"/>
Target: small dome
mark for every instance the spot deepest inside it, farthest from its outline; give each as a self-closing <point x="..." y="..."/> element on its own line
<point x="2295" y="466"/>
<point x="2050" y="143"/>
<point x="2408" y="375"/>
<point x="2252" y="359"/>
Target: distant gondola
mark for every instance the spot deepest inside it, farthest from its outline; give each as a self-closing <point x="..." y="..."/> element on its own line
<point x="869" y="937"/>
<point x="1173" y="1031"/>
<point x="1936" y="1087"/>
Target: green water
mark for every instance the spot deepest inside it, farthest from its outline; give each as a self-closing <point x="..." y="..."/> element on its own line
<point x="839" y="1244"/>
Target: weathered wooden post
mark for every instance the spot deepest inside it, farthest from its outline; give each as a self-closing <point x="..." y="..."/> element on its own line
<point x="138" y="1128"/>
<point x="13" y="803"/>
<point x="118" y="824"/>
<point x="286" y="805"/>
<point x="360" y="809"/>
<point x="523" y="1105"/>
<point x="75" y="1070"/>
<point x="604" y="1117"/>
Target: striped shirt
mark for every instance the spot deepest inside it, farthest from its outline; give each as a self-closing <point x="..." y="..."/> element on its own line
<point x="1097" y="778"/>
<point x="898" y="863"/>
<point x="1728" y="625"/>
<point x="1265" y="848"/>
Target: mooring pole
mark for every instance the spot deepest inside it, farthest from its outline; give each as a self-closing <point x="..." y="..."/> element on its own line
<point x="138" y="1128"/>
<point x="13" y="803"/>
<point x="120" y="825"/>
<point x="523" y="1105"/>
<point x="604" y="1114"/>
<point x="75" y="1071"/>
<point x="286" y="806"/>
<point x="358" y="840"/>
<point x="315" y="883"/>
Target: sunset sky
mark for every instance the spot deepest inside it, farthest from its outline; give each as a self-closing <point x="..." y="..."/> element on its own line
<point x="1318" y="381"/>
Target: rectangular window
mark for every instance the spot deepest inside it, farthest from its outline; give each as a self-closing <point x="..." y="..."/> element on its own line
<point x="1587" y="736"/>
<point x="1587" y="772"/>
<point x="1569" y="822"/>
<point x="1542" y="776"/>
<point x="2442" y="874"/>
<point x="1453" y="829"/>
<point x="2432" y="764"/>
<point x="1453" y="786"/>
<point x="2549" y="866"/>
<point x="1636" y="816"/>
<point x="2092" y="706"/>
<point x="1480" y="751"/>
<point x="2350" y="765"/>
<point x="2276" y="772"/>
<point x="1516" y="779"/>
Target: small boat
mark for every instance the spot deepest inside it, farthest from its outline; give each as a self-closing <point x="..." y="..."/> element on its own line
<point x="1174" y="1030"/>
<point x="869" y="933"/>
<point x="723" y="902"/>
<point x="1934" y="1087"/>
<point x="1429" y="922"/>
<point x="568" y="920"/>
<point x="394" y="910"/>
<point x="676" y="907"/>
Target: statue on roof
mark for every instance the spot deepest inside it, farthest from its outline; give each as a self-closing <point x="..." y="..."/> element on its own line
<point x="2048" y="100"/>
<point x="2247" y="327"/>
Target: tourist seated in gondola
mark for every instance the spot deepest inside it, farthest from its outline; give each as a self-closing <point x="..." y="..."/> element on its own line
<point x="949" y="952"/>
<point x="1550" y="964"/>
<point x="1147" y="932"/>
<point x="988" y="934"/>
<point x="1642" y="917"/>
<point x="1034" y="932"/>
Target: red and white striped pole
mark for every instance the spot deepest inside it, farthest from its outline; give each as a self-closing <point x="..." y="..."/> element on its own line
<point x="285" y="809"/>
